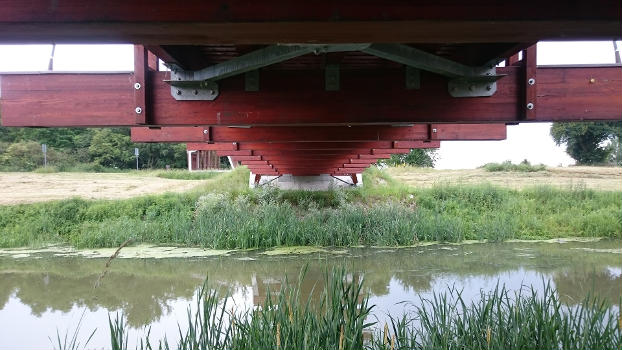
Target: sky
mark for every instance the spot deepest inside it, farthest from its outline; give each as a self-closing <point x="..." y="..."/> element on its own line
<point x="530" y="141"/>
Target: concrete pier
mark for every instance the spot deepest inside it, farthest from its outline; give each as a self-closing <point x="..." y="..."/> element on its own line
<point x="311" y="183"/>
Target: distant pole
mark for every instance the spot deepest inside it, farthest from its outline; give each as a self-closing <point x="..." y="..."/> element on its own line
<point x="44" y="149"/>
<point x="616" y="49"/>
<point x="51" y="63"/>
<point x="136" y="154"/>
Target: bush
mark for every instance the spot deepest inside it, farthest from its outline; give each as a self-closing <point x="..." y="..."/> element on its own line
<point x="523" y="166"/>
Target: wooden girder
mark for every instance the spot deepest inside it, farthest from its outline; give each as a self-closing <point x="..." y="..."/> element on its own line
<point x="202" y="22"/>
<point x="366" y="98"/>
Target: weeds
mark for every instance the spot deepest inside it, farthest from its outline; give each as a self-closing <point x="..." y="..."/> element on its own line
<point x="224" y="213"/>
<point x="338" y="319"/>
<point x="523" y="166"/>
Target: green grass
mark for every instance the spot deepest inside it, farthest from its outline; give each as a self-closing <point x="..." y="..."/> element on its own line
<point x="523" y="166"/>
<point x="187" y="175"/>
<point x="224" y="213"/>
<point x="339" y="319"/>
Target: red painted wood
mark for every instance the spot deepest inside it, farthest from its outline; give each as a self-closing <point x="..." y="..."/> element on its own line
<point x="236" y="21"/>
<point x="286" y="146"/>
<point x="530" y="91"/>
<point x="392" y="151"/>
<point x="241" y="158"/>
<point x="234" y="153"/>
<point x="416" y="144"/>
<point x="141" y="67"/>
<point x="107" y="100"/>
<point x="220" y="146"/>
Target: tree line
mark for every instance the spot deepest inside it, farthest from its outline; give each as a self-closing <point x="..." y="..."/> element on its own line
<point x="85" y="149"/>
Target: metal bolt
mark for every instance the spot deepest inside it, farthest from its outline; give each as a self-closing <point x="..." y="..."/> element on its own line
<point x="488" y="87"/>
<point x="211" y="92"/>
<point x="178" y="92"/>
<point x="434" y="130"/>
<point x="471" y="87"/>
<point x="137" y="86"/>
<point x="138" y="110"/>
<point x="592" y="80"/>
<point x="205" y="131"/>
<point x="195" y="92"/>
<point x="531" y="81"/>
<point x="530" y="105"/>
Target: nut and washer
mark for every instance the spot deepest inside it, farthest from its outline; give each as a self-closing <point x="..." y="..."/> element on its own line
<point x="137" y="86"/>
<point x="205" y="131"/>
<point x="530" y="105"/>
<point x="138" y="110"/>
<point x="531" y="81"/>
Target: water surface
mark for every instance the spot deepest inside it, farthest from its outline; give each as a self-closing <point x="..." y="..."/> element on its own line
<point x="42" y="293"/>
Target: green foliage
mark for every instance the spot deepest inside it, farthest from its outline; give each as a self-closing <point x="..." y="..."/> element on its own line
<point x="83" y="149"/>
<point x="421" y="157"/>
<point x="187" y="175"/>
<point x="523" y="166"/>
<point x="501" y="320"/>
<point x="111" y="149"/>
<point x="585" y="141"/>
<point x="496" y="320"/>
<point x="225" y="213"/>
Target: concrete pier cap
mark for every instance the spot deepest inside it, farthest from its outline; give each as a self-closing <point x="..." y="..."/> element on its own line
<point x="321" y="182"/>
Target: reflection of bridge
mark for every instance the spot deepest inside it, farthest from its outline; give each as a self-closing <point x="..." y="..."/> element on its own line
<point x="297" y="88"/>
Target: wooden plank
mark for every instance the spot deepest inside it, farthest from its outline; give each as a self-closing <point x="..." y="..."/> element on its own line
<point x="141" y="68"/>
<point x="51" y="100"/>
<point x="530" y="83"/>
<point x="201" y="22"/>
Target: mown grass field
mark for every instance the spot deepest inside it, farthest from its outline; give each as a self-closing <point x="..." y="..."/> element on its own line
<point x="223" y="213"/>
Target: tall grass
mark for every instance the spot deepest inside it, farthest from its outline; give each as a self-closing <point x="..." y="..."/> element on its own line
<point x="224" y="213"/>
<point x="524" y="167"/>
<point x="503" y="320"/>
<point x="339" y="320"/>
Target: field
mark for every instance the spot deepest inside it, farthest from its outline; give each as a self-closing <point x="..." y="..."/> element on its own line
<point x="18" y="188"/>
<point x="597" y="178"/>
<point x="23" y="187"/>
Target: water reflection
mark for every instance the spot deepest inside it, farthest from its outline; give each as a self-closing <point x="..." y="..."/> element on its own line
<point x="157" y="292"/>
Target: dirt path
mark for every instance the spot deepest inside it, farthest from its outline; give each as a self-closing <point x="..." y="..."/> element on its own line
<point x="600" y="178"/>
<point x="18" y="188"/>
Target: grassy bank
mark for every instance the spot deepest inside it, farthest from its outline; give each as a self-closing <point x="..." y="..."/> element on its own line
<point x="338" y="319"/>
<point x="224" y="213"/>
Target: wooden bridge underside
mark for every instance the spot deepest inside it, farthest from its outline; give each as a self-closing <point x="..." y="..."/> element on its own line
<point x="308" y="88"/>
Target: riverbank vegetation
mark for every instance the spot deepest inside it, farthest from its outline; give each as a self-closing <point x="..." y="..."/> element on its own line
<point x="338" y="317"/>
<point x="224" y="213"/>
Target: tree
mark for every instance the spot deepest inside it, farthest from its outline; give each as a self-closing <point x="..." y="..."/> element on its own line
<point x="586" y="142"/>
<point x="417" y="157"/>
<point x="111" y="149"/>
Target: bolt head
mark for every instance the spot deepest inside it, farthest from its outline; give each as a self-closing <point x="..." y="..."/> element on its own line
<point x="434" y="130"/>
<point x="178" y="92"/>
<point x="531" y="81"/>
<point x="138" y="110"/>
<point x="592" y="80"/>
<point x="488" y="87"/>
<point x="137" y="86"/>
<point x="530" y="105"/>
<point x="205" y="131"/>
<point x="211" y="92"/>
<point x="195" y="92"/>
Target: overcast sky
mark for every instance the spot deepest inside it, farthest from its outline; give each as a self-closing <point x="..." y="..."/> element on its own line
<point x="524" y="141"/>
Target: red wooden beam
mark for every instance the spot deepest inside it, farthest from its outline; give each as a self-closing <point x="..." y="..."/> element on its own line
<point x="201" y="22"/>
<point x="564" y="93"/>
<point x="320" y="133"/>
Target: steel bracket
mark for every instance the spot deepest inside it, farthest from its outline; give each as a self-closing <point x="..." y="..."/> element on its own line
<point x="480" y="86"/>
<point x="184" y="89"/>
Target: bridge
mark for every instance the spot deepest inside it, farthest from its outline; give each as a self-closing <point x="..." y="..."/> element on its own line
<point x="310" y="88"/>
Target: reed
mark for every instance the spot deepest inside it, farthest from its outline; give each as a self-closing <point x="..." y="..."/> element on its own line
<point x="338" y="317"/>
